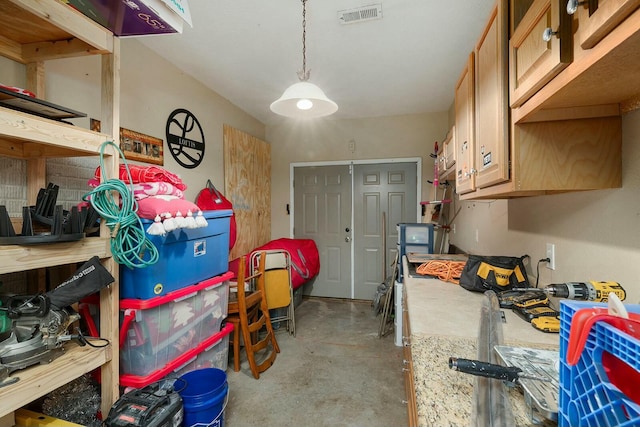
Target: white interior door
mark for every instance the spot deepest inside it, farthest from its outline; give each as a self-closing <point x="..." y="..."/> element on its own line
<point x="322" y="212"/>
<point x="341" y="207"/>
<point x="380" y="191"/>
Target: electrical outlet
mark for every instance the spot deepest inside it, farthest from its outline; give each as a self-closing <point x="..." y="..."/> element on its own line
<point x="551" y="254"/>
<point x="453" y="226"/>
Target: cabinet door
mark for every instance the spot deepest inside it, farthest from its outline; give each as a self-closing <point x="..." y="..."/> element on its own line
<point x="446" y="156"/>
<point x="442" y="166"/>
<point x="450" y="149"/>
<point x="541" y="47"/>
<point x="492" y="105"/>
<point x="599" y="17"/>
<point x="464" y="108"/>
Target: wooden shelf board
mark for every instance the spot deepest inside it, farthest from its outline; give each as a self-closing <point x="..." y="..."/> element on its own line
<point x="40" y="256"/>
<point x="30" y="136"/>
<point x="33" y="30"/>
<point x="38" y="380"/>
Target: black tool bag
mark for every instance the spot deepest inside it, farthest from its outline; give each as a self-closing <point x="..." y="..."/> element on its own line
<point x="496" y="273"/>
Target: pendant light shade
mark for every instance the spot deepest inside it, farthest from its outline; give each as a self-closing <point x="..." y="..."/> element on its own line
<point x="304" y="99"/>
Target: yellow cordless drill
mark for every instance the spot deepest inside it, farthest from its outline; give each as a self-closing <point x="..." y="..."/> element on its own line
<point x="586" y="291"/>
<point x="543" y="318"/>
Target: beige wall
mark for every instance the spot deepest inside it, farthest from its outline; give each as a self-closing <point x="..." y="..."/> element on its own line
<point x="328" y="140"/>
<point x="596" y="233"/>
<point x="151" y="88"/>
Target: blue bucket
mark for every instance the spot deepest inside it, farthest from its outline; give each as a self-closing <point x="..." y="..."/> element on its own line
<point x="204" y="397"/>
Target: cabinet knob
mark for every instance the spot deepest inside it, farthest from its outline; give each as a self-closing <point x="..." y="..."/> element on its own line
<point x="572" y="6"/>
<point x="547" y="34"/>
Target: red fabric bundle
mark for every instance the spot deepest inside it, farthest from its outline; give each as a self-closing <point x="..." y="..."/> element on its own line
<point x="305" y="259"/>
<point x="146" y="174"/>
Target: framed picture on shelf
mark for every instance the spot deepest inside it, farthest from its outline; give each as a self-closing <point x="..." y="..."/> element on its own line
<point x="139" y="147"/>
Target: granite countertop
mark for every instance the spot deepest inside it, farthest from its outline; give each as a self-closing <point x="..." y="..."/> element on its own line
<point x="444" y="321"/>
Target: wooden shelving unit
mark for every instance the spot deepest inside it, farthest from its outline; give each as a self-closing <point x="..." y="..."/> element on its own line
<point x="32" y="32"/>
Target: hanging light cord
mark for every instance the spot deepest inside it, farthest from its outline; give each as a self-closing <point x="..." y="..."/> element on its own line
<point x="129" y="243"/>
<point x="303" y="74"/>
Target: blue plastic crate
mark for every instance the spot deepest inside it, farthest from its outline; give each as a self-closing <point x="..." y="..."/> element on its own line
<point x="186" y="257"/>
<point x="587" y="398"/>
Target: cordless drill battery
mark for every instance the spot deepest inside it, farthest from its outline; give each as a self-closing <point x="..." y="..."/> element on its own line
<point x="527" y="299"/>
<point x="530" y="313"/>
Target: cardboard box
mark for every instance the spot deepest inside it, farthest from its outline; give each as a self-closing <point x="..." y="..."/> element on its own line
<point x="136" y="17"/>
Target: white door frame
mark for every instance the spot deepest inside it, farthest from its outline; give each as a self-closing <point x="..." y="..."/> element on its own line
<point x="416" y="160"/>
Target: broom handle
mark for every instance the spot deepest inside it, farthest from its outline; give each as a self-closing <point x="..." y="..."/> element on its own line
<point x="384" y="247"/>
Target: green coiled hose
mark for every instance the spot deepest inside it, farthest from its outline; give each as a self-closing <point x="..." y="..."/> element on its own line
<point x="130" y="245"/>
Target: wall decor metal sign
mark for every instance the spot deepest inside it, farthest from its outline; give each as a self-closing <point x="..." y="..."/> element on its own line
<point x="185" y="138"/>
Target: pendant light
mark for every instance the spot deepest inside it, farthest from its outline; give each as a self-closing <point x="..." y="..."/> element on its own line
<point x="304" y="99"/>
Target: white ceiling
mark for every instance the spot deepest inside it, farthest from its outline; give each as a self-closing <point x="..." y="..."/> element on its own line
<point x="408" y="62"/>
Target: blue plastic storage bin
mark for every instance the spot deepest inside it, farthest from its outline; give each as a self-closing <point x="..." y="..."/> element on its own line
<point x="186" y="257"/>
<point x="587" y="398"/>
<point x="413" y="237"/>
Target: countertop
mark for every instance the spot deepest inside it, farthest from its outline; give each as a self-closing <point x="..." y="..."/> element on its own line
<point x="444" y="320"/>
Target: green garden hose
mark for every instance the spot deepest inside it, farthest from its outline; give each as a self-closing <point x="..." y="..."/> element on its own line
<point x="130" y="245"/>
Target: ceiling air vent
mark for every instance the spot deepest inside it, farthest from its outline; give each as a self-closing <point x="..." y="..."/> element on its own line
<point x="360" y="14"/>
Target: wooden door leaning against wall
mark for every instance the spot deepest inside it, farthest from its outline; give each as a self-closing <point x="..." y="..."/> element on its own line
<point x="247" y="183"/>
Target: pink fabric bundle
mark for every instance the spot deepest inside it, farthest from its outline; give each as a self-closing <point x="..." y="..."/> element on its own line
<point x="159" y="195"/>
<point x="147" y="189"/>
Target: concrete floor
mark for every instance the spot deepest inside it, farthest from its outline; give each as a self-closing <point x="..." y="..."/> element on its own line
<point x="335" y="372"/>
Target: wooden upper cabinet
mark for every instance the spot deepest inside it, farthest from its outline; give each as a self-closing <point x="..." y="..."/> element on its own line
<point x="602" y="78"/>
<point x="464" y="112"/>
<point x="449" y="151"/>
<point x="541" y="46"/>
<point x="447" y="155"/>
<point x="442" y="162"/>
<point x="491" y="103"/>
<point x="596" y="18"/>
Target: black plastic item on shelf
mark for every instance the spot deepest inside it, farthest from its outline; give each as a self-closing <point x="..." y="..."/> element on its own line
<point x="58" y="225"/>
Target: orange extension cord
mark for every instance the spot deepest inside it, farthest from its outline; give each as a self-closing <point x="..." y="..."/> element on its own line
<point x="449" y="271"/>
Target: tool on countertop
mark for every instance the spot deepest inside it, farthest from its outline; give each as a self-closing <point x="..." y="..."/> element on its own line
<point x="491" y="370"/>
<point x="533" y="297"/>
<point x="536" y="371"/>
<point x="531" y="313"/>
<point x="583" y="291"/>
<point x="534" y="307"/>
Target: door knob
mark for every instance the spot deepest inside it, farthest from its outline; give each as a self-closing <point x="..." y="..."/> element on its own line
<point x="347" y="229"/>
<point x="347" y="239"/>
